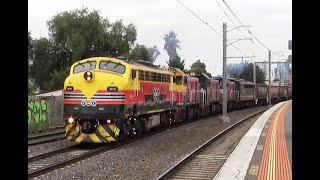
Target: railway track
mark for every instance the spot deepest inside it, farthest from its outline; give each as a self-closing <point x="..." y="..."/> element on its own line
<point x="36" y="168"/>
<point x="201" y="163"/>
<point x="34" y="140"/>
<point x="39" y="168"/>
<point x="51" y="153"/>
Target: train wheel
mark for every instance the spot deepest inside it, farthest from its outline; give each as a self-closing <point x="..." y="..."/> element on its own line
<point x="123" y="133"/>
<point x="164" y="120"/>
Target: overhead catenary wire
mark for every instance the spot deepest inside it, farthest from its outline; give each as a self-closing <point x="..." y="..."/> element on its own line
<point x="231" y="20"/>
<point x="238" y="28"/>
<point x="199" y="18"/>
<point x="208" y="25"/>
<point x="250" y="32"/>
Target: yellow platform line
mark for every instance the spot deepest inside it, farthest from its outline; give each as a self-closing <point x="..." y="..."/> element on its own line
<point x="271" y="151"/>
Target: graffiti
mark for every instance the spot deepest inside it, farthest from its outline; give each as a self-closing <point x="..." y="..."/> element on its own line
<point x="38" y="111"/>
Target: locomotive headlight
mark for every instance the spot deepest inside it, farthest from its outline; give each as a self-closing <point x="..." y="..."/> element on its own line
<point x="109" y="121"/>
<point x="88" y="75"/>
<point x="70" y="120"/>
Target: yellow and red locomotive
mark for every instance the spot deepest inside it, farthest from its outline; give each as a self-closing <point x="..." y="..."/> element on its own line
<point x="107" y="99"/>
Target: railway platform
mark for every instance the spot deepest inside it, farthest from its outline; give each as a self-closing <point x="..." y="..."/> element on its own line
<point x="265" y="152"/>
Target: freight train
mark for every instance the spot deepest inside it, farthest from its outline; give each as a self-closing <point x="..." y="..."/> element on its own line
<point x="109" y="99"/>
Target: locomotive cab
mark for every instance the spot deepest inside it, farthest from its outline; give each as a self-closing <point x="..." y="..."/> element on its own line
<point x="94" y="98"/>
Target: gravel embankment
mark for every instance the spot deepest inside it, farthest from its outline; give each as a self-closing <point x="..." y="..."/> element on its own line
<point x="150" y="157"/>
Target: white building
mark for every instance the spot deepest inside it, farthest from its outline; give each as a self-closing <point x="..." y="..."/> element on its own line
<point x="51" y="93"/>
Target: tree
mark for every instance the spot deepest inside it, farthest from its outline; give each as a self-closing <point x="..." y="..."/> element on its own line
<point x="244" y="70"/>
<point x="236" y="69"/>
<point x="57" y="78"/>
<point x="29" y="46"/>
<point x="177" y="63"/>
<point x="82" y="33"/>
<point x="29" y="50"/>
<point x="199" y="67"/>
<point x="121" y="38"/>
<point x="139" y="52"/>
<point x="153" y="53"/>
<point x="31" y="84"/>
<point x="76" y="32"/>
<point x="260" y="76"/>
<point x="41" y="59"/>
<point x="171" y="44"/>
<point x="73" y="36"/>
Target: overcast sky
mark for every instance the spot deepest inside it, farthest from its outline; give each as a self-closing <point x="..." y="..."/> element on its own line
<point x="271" y="22"/>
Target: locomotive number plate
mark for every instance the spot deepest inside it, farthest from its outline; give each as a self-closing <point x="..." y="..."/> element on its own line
<point x="88" y="103"/>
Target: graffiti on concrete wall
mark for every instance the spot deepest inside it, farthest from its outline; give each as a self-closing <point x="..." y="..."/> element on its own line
<point x="38" y="111"/>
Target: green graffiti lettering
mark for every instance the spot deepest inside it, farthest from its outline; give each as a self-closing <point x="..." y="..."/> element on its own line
<point x="30" y="105"/>
<point x="30" y="111"/>
<point x="42" y="111"/>
<point x="38" y="111"/>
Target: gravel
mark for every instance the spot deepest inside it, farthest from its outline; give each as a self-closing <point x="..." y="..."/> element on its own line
<point x="47" y="147"/>
<point x="149" y="157"/>
<point x="48" y="131"/>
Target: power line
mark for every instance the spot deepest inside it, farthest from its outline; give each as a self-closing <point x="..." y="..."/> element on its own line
<point x="247" y="28"/>
<point x="231" y="19"/>
<point x="199" y="18"/>
<point x="236" y="26"/>
<point x="208" y="25"/>
<point x="242" y="25"/>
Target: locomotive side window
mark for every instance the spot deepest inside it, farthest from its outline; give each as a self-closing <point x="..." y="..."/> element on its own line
<point x="152" y="76"/>
<point x="133" y="74"/>
<point x="179" y="80"/>
<point x="141" y="75"/>
<point x="158" y="77"/>
<point x="147" y="75"/>
<point x="111" y="66"/>
<point x="164" y="78"/>
<point x="84" y="66"/>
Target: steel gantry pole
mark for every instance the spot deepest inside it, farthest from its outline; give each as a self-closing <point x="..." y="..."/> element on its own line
<point x="225" y="117"/>
<point x="269" y="79"/>
<point x="254" y="73"/>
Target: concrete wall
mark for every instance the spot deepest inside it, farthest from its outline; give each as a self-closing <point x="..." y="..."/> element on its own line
<point x="44" y="112"/>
